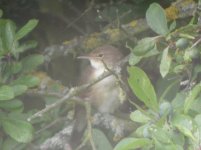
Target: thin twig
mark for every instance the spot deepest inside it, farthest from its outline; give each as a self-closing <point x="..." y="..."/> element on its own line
<point x="63" y="18"/>
<point x="86" y="10"/>
<point x="70" y="94"/>
<point x="196" y="43"/>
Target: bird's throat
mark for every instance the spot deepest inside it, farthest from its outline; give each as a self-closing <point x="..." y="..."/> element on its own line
<point x="98" y="68"/>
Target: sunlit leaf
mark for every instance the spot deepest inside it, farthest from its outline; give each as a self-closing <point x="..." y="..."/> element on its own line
<point x="142" y="87"/>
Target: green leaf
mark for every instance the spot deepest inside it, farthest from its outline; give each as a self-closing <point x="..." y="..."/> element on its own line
<point x="172" y="25"/>
<point x="3" y="48"/>
<point x="195" y="107"/>
<point x="132" y="143"/>
<point x="165" y="109"/>
<point x="11" y="105"/>
<point x="19" y="89"/>
<point x="144" y="45"/>
<point x="29" y="81"/>
<point x="161" y="135"/>
<point x="26" y="46"/>
<point x="31" y="62"/>
<point x="198" y="120"/>
<point x="9" y="35"/>
<point x="168" y="87"/>
<point x="143" y="131"/>
<point x="178" y="101"/>
<point x="100" y="140"/>
<point x="162" y="146"/>
<point x="179" y="68"/>
<point x="28" y="27"/>
<point x="184" y="124"/>
<point x="134" y="59"/>
<point x="6" y="93"/>
<point x="19" y="130"/>
<point x="177" y="138"/>
<point x="165" y="63"/>
<point x="191" y="97"/>
<point x="137" y="116"/>
<point x="156" y="19"/>
<point x="142" y="87"/>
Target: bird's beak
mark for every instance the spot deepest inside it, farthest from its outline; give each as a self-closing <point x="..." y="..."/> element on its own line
<point x="86" y="57"/>
<point x="83" y="57"/>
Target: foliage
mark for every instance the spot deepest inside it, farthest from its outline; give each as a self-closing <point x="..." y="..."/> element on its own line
<point x="15" y="80"/>
<point x="170" y="117"/>
<point x="170" y="120"/>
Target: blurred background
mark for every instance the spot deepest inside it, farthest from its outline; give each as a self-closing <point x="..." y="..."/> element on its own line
<point x="64" y="20"/>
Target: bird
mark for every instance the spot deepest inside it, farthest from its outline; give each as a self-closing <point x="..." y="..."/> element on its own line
<point x="103" y="96"/>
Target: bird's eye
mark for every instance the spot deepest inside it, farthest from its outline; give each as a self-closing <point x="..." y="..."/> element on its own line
<point x="100" y="55"/>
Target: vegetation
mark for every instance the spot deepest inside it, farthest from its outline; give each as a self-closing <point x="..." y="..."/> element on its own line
<point x="172" y="118"/>
<point x="164" y="74"/>
<point x="16" y="79"/>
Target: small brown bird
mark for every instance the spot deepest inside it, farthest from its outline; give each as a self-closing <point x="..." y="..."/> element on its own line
<point x="104" y="95"/>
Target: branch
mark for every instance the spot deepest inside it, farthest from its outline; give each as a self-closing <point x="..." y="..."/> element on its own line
<point x="178" y="10"/>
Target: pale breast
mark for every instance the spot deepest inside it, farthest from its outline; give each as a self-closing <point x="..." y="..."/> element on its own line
<point x="105" y="95"/>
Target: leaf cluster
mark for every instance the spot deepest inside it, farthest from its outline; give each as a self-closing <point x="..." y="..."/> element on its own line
<point x="15" y="80"/>
<point x="171" y="119"/>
